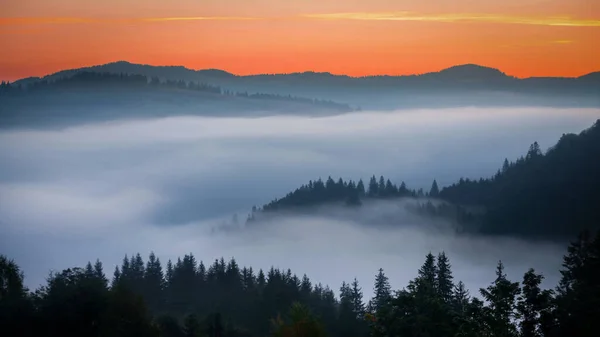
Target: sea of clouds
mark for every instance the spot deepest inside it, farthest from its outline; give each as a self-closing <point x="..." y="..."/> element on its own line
<point x="109" y="189"/>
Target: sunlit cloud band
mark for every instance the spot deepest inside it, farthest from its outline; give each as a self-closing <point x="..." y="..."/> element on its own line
<point x="30" y="21"/>
<point x="459" y="17"/>
<point x="366" y="16"/>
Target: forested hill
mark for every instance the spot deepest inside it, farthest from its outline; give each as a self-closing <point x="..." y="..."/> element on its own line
<point x="92" y="96"/>
<point x="552" y="195"/>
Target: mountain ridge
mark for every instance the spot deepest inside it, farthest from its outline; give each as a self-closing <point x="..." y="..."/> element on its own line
<point x="456" y="69"/>
<point x="467" y="85"/>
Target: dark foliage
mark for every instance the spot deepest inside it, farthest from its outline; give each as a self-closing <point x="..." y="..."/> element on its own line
<point x="350" y="193"/>
<point x="88" y="80"/>
<point x="553" y="194"/>
<point x="225" y="300"/>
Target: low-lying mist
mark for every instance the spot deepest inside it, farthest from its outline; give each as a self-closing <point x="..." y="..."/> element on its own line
<point x="106" y="190"/>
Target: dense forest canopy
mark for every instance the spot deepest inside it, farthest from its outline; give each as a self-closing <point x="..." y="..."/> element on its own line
<point x="189" y="298"/>
<point x="547" y="195"/>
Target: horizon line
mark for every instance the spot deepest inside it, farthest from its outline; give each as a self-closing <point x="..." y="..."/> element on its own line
<point x="298" y="72"/>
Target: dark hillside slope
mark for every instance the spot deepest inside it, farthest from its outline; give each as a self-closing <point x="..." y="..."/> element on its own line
<point x="554" y="194"/>
<point x="94" y="97"/>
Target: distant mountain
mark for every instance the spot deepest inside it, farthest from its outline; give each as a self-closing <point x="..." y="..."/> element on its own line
<point x="551" y="196"/>
<point x="86" y="96"/>
<point x="469" y="72"/>
<point x="461" y="85"/>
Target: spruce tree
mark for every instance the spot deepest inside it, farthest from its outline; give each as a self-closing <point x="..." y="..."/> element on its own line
<point x="501" y="296"/>
<point x="154" y="283"/>
<point x="444" y="283"/>
<point x="428" y="274"/>
<point x="434" y="192"/>
<point x="382" y="292"/>
<point x="358" y="306"/>
<point x="533" y="305"/>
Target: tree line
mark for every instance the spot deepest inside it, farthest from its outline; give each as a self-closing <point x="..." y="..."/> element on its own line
<point x="95" y="80"/>
<point x="187" y="298"/>
<point x="349" y="192"/>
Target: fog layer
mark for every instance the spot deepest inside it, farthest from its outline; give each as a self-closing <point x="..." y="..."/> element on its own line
<point x="104" y="190"/>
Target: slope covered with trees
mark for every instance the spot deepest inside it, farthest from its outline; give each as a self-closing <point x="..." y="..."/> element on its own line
<point x="550" y="195"/>
<point x="92" y="96"/>
<point x="189" y="299"/>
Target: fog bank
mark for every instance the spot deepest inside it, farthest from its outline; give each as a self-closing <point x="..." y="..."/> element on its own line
<point x="104" y="190"/>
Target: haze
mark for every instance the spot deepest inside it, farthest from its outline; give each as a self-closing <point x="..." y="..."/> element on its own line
<point x="105" y="190"/>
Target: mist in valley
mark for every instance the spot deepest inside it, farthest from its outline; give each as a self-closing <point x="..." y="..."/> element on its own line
<point x="104" y="190"/>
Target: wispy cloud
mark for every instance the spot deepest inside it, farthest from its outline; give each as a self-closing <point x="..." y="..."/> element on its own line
<point x="32" y="21"/>
<point x="202" y="18"/>
<point x="562" y="41"/>
<point x="376" y="16"/>
<point x="459" y="17"/>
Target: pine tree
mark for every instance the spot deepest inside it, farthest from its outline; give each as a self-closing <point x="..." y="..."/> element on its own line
<point x="169" y="273"/>
<point x="434" y="192"/>
<point x="460" y="298"/>
<point x="444" y="283"/>
<point x="428" y="273"/>
<point x="358" y="306"/>
<point x="505" y="165"/>
<point x="501" y="296"/>
<point x="373" y="187"/>
<point x="533" y="305"/>
<point x="381" y="187"/>
<point x="347" y="317"/>
<point x="116" y="277"/>
<point x="99" y="273"/>
<point x="578" y="293"/>
<point x="360" y="188"/>
<point x="382" y="292"/>
<point x="154" y="283"/>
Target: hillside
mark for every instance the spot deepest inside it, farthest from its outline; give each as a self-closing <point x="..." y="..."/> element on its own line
<point x="461" y="85"/>
<point x="552" y="195"/>
<point x="92" y="96"/>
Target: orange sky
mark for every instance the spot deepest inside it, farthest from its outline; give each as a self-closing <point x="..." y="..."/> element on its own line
<point x="356" y="37"/>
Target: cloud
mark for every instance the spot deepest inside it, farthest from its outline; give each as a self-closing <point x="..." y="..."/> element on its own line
<point x="83" y="20"/>
<point x="103" y="190"/>
<point x="562" y="41"/>
<point x="564" y="21"/>
<point x="459" y="18"/>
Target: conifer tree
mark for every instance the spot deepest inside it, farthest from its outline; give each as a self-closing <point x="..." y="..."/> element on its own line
<point x="434" y="192"/>
<point x="382" y="292"/>
<point x="358" y="306"/>
<point x="533" y="305"/>
<point x="444" y="283"/>
<point x="373" y="187"/>
<point x="501" y="296"/>
<point x="428" y="273"/>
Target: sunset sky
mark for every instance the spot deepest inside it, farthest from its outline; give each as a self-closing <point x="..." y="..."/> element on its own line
<point x="355" y="37"/>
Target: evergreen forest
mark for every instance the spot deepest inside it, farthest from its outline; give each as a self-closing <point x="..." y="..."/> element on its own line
<point x="188" y="298"/>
